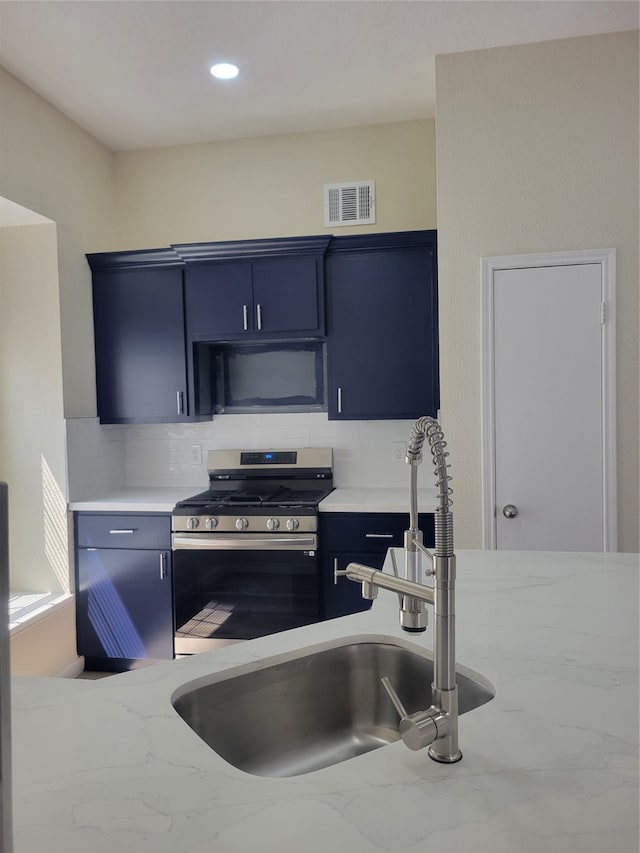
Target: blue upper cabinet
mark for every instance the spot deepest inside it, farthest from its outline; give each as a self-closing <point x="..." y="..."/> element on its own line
<point x="219" y="300"/>
<point x="382" y="326"/>
<point x="162" y="318"/>
<point x="141" y="366"/>
<point x="254" y="289"/>
<point x="288" y="296"/>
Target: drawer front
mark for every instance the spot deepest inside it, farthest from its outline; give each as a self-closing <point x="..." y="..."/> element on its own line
<point x="369" y="532"/>
<point x="123" y="531"/>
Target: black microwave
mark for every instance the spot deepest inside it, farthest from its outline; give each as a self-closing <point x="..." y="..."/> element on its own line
<point x="270" y="377"/>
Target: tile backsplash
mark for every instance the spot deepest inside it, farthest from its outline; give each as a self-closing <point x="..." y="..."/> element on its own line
<point x="95" y="458"/>
<point x="106" y="458"/>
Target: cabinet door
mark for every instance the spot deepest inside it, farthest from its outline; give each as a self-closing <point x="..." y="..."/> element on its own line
<point x="382" y="358"/>
<point x="219" y="301"/>
<point x="124" y="604"/>
<point x="141" y="369"/>
<point x="359" y="538"/>
<point x="285" y="295"/>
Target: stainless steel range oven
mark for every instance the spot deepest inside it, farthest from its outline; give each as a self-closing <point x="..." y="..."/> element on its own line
<point x="245" y="552"/>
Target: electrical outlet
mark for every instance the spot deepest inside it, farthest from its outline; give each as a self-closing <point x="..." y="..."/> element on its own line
<point x="196" y="454"/>
<point x="399" y="451"/>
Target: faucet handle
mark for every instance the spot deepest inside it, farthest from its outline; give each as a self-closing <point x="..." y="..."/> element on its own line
<point x="416" y="730"/>
<point x="397" y="702"/>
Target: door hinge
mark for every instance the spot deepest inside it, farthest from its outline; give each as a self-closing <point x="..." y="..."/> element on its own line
<point x="603" y="313"/>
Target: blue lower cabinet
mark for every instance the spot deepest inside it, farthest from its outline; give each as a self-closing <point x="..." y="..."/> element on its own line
<point x="124" y="602"/>
<point x="359" y="538"/>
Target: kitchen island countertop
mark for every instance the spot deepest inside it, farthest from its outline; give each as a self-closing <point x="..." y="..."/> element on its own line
<point x="550" y="764"/>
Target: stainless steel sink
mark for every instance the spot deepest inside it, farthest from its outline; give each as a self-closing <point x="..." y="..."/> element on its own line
<point x="319" y="709"/>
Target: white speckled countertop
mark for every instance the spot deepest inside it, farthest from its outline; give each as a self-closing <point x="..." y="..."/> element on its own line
<point x="340" y="500"/>
<point x="550" y="764"/>
<point x="140" y="499"/>
<point x="378" y="500"/>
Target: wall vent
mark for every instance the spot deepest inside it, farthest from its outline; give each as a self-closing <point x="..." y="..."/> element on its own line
<point x="350" y="203"/>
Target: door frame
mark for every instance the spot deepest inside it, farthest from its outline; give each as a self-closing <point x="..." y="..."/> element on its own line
<point x="607" y="260"/>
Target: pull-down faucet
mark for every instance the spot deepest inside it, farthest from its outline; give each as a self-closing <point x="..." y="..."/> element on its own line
<point x="437" y="726"/>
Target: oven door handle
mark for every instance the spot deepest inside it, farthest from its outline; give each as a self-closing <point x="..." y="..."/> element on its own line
<point x="247" y="541"/>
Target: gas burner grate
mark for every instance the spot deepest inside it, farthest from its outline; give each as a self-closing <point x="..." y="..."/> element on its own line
<point x="301" y="497"/>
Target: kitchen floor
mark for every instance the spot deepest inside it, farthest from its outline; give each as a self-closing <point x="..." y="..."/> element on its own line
<point x="94" y="675"/>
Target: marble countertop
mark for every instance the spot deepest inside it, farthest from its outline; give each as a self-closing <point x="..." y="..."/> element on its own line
<point x="163" y="499"/>
<point x="550" y="764"/>
<point x="380" y="499"/>
<point x="136" y="499"/>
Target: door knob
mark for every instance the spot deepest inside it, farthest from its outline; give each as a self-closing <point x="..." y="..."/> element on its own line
<point x="509" y="511"/>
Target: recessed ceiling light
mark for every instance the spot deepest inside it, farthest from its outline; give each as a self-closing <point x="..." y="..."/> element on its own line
<point x="224" y="70"/>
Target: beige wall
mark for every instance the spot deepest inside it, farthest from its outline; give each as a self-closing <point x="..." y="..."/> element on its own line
<point x="272" y="186"/>
<point x="33" y="436"/>
<point x="47" y="646"/>
<point x="537" y="150"/>
<point x="53" y="167"/>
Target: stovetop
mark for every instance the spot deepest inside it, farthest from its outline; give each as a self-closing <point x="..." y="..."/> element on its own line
<point x="253" y="497"/>
<point x="259" y="490"/>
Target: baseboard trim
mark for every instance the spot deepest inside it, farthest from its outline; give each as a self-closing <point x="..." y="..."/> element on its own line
<point x="72" y="670"/>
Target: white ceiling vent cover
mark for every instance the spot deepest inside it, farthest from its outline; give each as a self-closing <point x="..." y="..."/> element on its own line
<point x="350" y="203"/>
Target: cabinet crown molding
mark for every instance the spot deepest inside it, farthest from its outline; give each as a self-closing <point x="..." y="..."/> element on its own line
<point x="232" y="249"/>
<point x="387" y="240"/>
<point x="143" y="258"/>
<point x="179" y="254"/>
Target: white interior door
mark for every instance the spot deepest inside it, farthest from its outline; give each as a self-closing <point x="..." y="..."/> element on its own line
<point x="547" y="414"/>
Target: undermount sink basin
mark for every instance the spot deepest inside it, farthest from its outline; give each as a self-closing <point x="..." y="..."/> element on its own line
<point x="318" y="709"/>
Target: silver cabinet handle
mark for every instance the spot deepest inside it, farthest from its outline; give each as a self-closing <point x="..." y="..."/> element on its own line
<point x="180" y="402"/>
<point x="339" y="401"/>
<point x="163" y="566"/>
<point x="120" y="530"/>
<point x="510" y="511"/>
<point x="245" y="318"/>
<point x="378" y="535"/>
<point x="259" y="316"/>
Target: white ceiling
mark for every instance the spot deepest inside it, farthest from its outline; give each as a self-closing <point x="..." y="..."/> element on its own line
<point x="134" y="73"/>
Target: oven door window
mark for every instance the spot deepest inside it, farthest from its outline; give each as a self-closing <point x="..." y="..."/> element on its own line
<point x="241" y="595"/>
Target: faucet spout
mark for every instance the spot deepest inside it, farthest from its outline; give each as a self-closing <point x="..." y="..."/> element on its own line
<point x="376" y="578"/>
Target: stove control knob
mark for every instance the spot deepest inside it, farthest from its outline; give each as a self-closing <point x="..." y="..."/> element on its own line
<point x="211" y="523"/>
<point x="293" y="524"/>
<point x="241" y="523"/>
<point x="273" y="524"/>
<point x="192" y="523"/>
